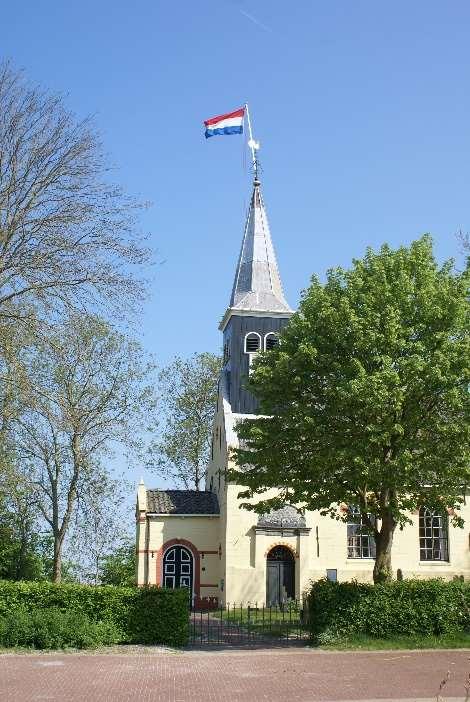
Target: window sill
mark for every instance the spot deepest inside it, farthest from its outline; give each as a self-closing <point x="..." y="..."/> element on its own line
<point x="358" y="558"/>
<point x="434" y="563"/>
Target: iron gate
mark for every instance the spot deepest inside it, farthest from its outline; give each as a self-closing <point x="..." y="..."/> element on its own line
<point x="250" y="625"/>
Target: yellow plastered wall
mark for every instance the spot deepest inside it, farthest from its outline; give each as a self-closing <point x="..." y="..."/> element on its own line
<point x="201" y="531"/>
<point x="238" y="573"/>
<point x="215" y="475"/>
<point x="141" y="534"/>
<point x="324" y="547"/>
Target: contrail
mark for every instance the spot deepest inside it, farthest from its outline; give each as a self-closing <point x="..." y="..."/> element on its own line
<point x="254" y="20"/>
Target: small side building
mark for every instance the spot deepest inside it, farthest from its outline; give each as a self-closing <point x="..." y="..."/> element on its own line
<point x="177" y="537"/>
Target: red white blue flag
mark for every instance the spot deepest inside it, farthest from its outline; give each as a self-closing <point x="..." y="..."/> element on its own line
<point x="231" y="123"/>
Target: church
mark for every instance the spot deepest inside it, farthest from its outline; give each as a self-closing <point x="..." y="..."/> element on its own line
<point x="203" y="540"/>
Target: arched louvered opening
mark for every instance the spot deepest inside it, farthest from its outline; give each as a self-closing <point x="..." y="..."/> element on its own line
<point x="270" y="341"/>
<point x="252" y="342"/>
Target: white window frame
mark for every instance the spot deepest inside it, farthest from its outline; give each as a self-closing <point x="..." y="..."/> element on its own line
<point x="252" y="353"/>
<point x="359" y="542"/>
<point x="433" y="532"/>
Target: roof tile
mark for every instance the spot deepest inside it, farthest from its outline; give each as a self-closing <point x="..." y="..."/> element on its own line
<point x="182" y="502"/>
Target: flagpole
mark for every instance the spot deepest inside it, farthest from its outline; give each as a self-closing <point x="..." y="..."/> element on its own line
<point x="254" y="146"/>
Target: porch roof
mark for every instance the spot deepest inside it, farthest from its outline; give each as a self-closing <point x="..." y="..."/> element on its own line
<point x="182" y="502"/>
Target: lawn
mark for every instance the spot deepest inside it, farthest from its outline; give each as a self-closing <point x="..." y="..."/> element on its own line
<point x="360" y="642"/>
<point x="269" y="621"/>
<point x="287" y="622"/>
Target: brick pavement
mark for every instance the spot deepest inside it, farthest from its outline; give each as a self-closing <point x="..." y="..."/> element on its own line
<point x="290" y="675"/>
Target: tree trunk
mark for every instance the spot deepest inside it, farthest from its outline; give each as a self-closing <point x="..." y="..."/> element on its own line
<point x="57" y="563"/>
<point x="383" y="543"/>
<point x="21" y="573"/>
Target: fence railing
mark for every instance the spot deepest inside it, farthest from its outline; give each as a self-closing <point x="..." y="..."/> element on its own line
<point x="250" y="624"/>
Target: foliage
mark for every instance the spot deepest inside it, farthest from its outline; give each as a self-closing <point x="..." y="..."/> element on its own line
<point x="141" y="615"/>
<point x="54" y="628"/>
<point x="189" y="395"/>
<point x="20" y="544"/>
<point x="365" y="401"/>
<point x="119" y="567"/>
<point x="399" y="608"/>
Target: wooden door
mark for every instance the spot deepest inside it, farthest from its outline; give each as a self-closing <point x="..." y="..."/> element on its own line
<point x="280" y="576"/>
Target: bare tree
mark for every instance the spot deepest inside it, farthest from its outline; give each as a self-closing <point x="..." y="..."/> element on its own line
<point x="100" y="524"/>
<point x="188" y="390"/>
<point x="464" y="239"/>
<point x="67" y="237"/>
<point x="89" y="389"/>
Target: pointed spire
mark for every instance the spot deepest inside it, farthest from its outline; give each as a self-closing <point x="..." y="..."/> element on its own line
<point x="257" y="286"/>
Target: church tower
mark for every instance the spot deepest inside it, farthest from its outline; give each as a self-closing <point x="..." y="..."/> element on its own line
<point x="258" y="309"/>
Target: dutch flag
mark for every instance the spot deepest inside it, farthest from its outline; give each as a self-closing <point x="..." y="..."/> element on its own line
<point x="231" y="123"/>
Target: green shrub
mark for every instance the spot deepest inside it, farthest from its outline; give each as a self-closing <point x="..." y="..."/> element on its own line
<point x="41" y="613"/>
<point x="53" y="628"/>
<point x="408" y="607"/>
<point x="16" y="629"/>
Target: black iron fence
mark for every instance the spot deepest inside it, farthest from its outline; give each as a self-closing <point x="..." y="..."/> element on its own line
<point x="250" y="625"/>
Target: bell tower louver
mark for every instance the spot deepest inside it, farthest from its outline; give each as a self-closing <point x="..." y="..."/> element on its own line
<point x="257" y="310"/>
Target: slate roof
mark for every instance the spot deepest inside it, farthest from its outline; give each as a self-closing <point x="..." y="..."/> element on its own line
<point x="287" y="516"/>
<point x="182" y="502"/>
<point x="257" y="285"/>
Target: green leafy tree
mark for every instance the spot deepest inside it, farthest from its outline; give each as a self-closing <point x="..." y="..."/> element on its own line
<point x="366" y="399"/>
<point x="20" y="548"/>
<point x="188" y="390"/>
<point x="119" y="568"/>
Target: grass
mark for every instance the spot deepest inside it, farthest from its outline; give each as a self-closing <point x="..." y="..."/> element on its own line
<point x="268" y="621"/>
<point x="253" y="615"/>
<point x="359" y="642"/>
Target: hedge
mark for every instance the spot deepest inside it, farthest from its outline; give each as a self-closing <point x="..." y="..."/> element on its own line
<point x="149" y="615"/>
<point x="53" y="628"/>
<point x="408" y="607"/>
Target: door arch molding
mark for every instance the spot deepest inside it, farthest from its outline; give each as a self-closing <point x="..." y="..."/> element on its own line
<point x="281" y="543"/>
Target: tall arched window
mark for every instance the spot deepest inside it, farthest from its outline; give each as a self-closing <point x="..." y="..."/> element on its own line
<point x="270" y="341"/>
<point x="361" y="543"/>
<point x="252" y="342"/>
<point x="226" y="357"/>
<point x="433" y="535"/>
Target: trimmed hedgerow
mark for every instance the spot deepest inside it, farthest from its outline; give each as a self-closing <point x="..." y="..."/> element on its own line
<point x="54" y="628"/>
<point x="430" y="607"/>
<point x="135" y="615"/>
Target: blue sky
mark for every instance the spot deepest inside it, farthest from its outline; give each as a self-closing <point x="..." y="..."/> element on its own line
<point x="362" y="109"/>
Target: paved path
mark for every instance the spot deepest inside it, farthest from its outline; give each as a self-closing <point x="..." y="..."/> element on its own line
<point x="296" y="675"/>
